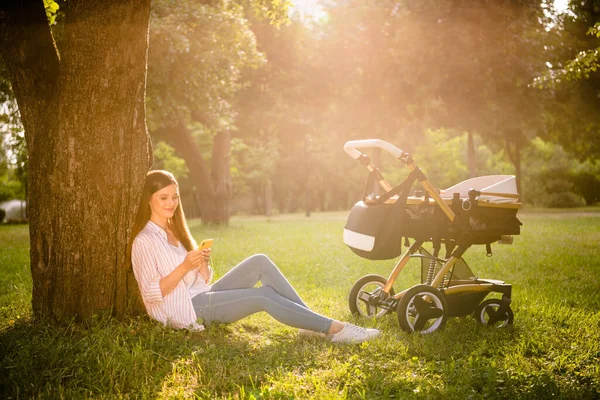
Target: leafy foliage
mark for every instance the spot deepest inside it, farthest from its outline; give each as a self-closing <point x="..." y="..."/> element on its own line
<point x="581" y="67"/>
<point x="166" y="158"/>
<point x="587" y="181"/>
<point x="275" y="11"/>
<point x="443" y="157"/>
<point x="252" y="166"/>
<point x="197" y="52"/>
<point x="572" y="87"/>
<point x="13" y="152"/>
<point x="551" y="182"/>
<point x="10" y="187"/>
<point x="51" y="7"/>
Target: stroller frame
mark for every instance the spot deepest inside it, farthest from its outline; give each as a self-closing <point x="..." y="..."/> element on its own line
<point x="426" y="307"/>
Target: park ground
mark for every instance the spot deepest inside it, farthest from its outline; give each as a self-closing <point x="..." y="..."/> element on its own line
<point x="551" y="351"/>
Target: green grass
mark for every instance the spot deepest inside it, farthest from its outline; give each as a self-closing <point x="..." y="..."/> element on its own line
<point x="552" y="350"/>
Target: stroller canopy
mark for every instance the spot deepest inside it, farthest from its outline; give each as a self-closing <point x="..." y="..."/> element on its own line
<point x="490" y="183"/>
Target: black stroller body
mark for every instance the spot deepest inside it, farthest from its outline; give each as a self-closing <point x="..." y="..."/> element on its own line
<point x="479" y="211"/>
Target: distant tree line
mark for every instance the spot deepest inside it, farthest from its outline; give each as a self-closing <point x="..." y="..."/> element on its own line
<point x="251" y="110"/>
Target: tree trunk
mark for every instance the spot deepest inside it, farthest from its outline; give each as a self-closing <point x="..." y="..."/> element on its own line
<point x="182" y="141"/>
<point x="307" y="177"/>
<point x="268" y="198"/>
<point x="518" y="172"/>
<point x="216" y="202"/>
<point x="513" y="149"/>
<point x="84" y="120"/>
<point x="213" y="189"/>
<point x="471" y="155"/>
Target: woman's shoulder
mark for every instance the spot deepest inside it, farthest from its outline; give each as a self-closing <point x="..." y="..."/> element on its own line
<point x="147" y="236"/>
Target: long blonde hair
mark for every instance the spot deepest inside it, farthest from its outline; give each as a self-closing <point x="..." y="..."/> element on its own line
<point x="155" y="181"/>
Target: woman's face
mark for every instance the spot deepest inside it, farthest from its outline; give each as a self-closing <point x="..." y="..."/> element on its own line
<point x="164" y="202"/>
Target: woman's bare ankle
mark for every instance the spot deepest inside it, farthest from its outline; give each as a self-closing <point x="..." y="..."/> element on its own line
<point x="336" y="326"/>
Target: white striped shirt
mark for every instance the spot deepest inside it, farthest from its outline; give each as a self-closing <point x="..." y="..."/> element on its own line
<point x="153" y="258"/>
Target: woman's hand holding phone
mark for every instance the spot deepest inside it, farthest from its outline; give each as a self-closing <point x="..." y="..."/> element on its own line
<point x="205" y="244"/>
<point x="205" y="250"/>
<point x="193" y="259"/>
<point x="199" y="257"/>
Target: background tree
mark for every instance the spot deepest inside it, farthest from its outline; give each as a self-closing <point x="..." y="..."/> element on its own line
<point x="13" y="152"/>
<point x="278" y="112"/>
<point x="552" y="181"/>
<point x="197" y="55"/>
<point x="81" y="102"/>
<point x="573" y="81"/>
<point x="393" y="70"/>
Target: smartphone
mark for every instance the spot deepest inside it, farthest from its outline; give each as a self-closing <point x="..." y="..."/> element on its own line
<point x="205" y="244"/>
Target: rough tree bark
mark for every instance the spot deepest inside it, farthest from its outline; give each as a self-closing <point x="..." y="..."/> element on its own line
<point x="84" y="117"/>
<point x="213" y="187"/>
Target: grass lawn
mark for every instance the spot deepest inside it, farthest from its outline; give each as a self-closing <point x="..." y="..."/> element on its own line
<point x="552" y="351"/>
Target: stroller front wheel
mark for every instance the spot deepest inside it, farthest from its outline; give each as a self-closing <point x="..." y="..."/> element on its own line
<point x="487" y="314"/>
<point x="422" y="309"/>
<point x="367" y="298"/>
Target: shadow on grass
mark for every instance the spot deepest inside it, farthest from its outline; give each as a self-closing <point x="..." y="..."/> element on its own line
<point x="72" y="361"/>
<point x="143" y="359"/>
<point x="261" y="358"/>
<point x="468" y="360"/>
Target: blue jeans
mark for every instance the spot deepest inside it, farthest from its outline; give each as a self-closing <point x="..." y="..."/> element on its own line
<point x="234" y="297"/>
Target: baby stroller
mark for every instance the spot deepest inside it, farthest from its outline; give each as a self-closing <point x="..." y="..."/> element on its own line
<point x="478" y="211"/>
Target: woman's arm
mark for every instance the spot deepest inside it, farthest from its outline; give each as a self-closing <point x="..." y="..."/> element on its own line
<point x="153" y="286"/>
<point x="192" y="260"/>
<point x="145" y="268"/>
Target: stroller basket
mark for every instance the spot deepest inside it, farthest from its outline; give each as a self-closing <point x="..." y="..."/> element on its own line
<point x="430" y="266"/>
<point x="458" y="305"/>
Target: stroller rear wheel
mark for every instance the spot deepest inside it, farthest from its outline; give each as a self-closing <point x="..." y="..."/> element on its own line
<point x="368" y="300"/>
<point x="422" y="309"/>
<point x="487" y="314"/>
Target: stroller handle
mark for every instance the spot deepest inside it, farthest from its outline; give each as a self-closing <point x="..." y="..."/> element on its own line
<point x="351" y="147"/>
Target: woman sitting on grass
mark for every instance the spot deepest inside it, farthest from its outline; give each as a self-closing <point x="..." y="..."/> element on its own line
<point x="175" y="279"/>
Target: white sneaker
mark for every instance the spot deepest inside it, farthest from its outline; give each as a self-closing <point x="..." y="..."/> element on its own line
<point x="354" y="334"/>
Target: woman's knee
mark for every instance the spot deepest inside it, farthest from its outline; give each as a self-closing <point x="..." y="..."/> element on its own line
<point x="260" y="258"/>
<point x="263" y="262"/>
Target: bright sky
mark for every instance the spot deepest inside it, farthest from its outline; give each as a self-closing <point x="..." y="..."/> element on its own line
<point x="307" y="8"/>
<point x="312" y="8"/>
<point x="561" y="5"/>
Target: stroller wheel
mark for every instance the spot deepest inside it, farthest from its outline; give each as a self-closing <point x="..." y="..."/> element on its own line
<point x="422" y="309"/>
<point x="487" y="314"/>
<point x="368" y="300"/>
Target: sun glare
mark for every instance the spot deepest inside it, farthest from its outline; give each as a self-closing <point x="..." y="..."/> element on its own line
<point x="307" y="9"/>
<point x="561" y="5"/>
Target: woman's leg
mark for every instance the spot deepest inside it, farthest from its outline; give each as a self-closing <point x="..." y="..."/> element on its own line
<point x="257" y="268"/>
<point x="234" y="297"/>
<point x="235" y="304"/>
